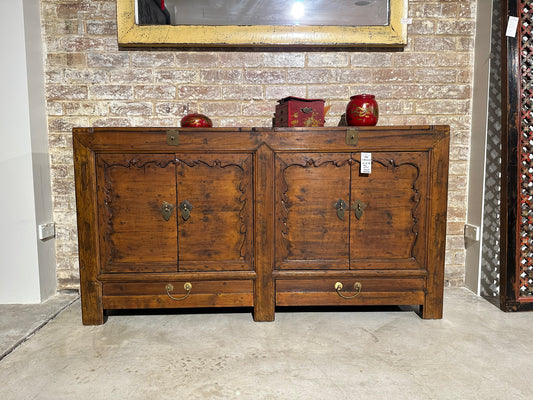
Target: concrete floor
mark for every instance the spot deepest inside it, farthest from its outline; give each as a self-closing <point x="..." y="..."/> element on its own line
<point x="18" y="322"/>
<point x="475" y="352"/>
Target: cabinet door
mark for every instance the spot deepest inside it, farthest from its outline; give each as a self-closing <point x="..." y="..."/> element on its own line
<point x="310" y="231"/>
<point x="388" y="209"/>
<point x="215" y="206"/>
<point x="132" y="188"/>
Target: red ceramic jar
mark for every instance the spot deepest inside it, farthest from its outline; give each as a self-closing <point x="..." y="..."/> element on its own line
<point x="362" y="110"/>
<point x="196" y="121"/>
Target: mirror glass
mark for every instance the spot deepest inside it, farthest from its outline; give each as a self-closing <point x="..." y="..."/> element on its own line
<point x="263" y="12"/>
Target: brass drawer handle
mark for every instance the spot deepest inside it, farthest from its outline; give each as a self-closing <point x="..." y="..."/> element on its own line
<point x="356" y="287"/>
<point x="170" y="287"/>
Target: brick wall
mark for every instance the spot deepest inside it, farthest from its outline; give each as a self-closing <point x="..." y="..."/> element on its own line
<point x="90" y="82"/>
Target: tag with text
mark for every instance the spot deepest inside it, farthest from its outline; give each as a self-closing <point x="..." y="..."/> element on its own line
<point x="366" y="163"/>
<point x="512" y="25"/>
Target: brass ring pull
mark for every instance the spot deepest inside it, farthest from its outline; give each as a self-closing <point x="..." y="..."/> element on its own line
<point x="170" y="287"/>
<point x="356" y="287"/>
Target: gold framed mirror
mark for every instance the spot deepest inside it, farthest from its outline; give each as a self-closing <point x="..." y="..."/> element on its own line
<point x="236" y="23"/>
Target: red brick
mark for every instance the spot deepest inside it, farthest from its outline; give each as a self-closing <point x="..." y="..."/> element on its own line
<point x="240" y="59"/>
<point x="276" y="92"/>
<point x="268" y="76"/>
<point x="196" y="60"/>
<point x="87" y="108"/>
<point x="87" y="76"/>
<point x="242" y="92"/>
<point x="401" y="75"/>
<point x="105" y="60"/>
<point x="176" y="76"/>
<point x="308" y="76"/>
<point x="350" y="75"/>
<point x="71" y="60"/>
<point x="396" y="107"/>
<point x="131" y="76"/>
<point x="326" y="92"/>
<point x="451" y="27"/>
<point x="421" y="27"/>
<point x="291" y="60"/>
<point x="440" y="106"/>
<point x="54" y="108"/>
<point x="101" y="27"/>
<point x="221" y="76"/>
<point x="433" y="44"/>
<point x="113" y="122"/>
<point x="223" y="109"/>
<point x="82" y="43"/>
<point x="110" y="92"/>
<point x="204" y="92"/>
<point x="120" y="108"/>
<point x="435" y="75"/>
<point x="152" y="60"/>
<point x="155" y="92"/>
<point x="373" y="60"/>
<point x="465" y="43"/>
<point x="332" y="60"/>
<point x="69" y="10"/>
<point x="161" y="121"/>
<point x="63" y="27"/>
<point x="403" y="60"/>
<point x="259" y="108"/>
<point x="171" y="108"/>
<point x="66" y="92"/>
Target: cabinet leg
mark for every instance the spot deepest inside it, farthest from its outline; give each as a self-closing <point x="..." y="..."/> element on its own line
<point x="264" y="301"/>
<point x="93" y="319"/>
<point x="263" y="315"/>
<point x="92" y="311"/>
<point x="432" y="308"/>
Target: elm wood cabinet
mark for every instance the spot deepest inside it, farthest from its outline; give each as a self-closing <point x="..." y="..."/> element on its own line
<point x="260" y="217"/>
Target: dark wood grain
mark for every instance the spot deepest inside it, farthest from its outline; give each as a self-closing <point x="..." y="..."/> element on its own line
<point x="436" y="222"/>
<point x="90" y="287"/>
<point x="264" y="296"/>
<point x="219" y="232"/>
<point x="134" y="235"/>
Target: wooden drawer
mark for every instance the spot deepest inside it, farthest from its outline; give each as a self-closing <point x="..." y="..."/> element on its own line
<point x="154" y="294"/>
<point x="374" y="291"/>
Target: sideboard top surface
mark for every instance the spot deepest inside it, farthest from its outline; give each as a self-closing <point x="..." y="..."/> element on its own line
<point x="152" y="139"/>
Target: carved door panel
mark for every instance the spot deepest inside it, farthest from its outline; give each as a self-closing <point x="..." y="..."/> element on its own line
<point x="312" y="218"/>
<point x="330" y="216"/>
<point x="132" y="188"/>
<point x="388" y="212"/>
<point x="215" y="212"/>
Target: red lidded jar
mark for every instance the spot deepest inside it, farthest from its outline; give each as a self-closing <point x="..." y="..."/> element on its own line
<point x="362" y="110"/>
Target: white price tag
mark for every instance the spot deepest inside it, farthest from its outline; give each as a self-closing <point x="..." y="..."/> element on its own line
<point x="512" y="25"/>
<point x="366" y="163"/>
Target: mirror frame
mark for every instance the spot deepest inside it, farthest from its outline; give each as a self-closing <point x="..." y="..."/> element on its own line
<point x="133" y="35"/>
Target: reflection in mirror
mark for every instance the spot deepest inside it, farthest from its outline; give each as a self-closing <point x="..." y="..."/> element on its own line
<point x="263" y="12"/>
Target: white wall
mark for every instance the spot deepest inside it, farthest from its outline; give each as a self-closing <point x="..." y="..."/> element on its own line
<point x="27" y="265"/>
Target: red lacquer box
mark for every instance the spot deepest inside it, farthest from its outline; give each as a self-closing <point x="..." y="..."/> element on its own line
<point x="295" y="111"/>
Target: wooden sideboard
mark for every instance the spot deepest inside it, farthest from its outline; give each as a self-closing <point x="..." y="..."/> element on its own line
<point x="261" y="217"/>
